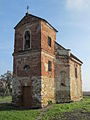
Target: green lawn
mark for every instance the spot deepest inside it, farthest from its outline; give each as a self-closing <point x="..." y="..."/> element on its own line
<point x="7" y="99"/>
<point x="68" y="111"/>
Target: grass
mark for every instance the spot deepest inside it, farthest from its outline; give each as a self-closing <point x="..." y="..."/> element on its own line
<point x="5" y="99"/>
<point x="62" y="111"/>
<point x="67" y="111"/>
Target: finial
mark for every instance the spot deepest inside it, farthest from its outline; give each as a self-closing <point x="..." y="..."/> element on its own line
<point x="27" y="8"/>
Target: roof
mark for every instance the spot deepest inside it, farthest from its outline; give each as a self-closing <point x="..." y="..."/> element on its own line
<point x="71" y="55"/>
<point x="27" y="14"/>
<point x="60" y="45"/>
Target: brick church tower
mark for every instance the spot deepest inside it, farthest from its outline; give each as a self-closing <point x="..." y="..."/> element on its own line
<point x="33" y="66"/>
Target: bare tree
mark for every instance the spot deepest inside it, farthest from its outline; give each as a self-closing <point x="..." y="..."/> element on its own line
<point x="6" y="83"/>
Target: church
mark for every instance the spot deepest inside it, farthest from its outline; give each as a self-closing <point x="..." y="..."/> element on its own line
<point x="44" y="71"/>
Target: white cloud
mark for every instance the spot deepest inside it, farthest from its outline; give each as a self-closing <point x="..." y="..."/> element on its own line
<point x="78" y="4"/>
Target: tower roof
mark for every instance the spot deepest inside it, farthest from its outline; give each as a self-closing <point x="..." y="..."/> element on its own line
<point x="27" y="14"/>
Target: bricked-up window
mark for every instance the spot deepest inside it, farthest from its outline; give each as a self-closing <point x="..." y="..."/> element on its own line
<point x="49" y="41"/>
<point x="27" y="40"/>
<point x="76" y="72"/>
<point x="49" y="66"/>
<point x="63" y="78"/>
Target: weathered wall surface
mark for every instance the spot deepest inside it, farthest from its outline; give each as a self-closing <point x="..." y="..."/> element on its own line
<point x="47" y="79"/>
<point x="17" y="93"/>
<point x="30" y="57"/>
<point x="32" y="77"/>
<point x="47" y="31"/>
<point x="27" y="58"/>
<point x="47" y="54"/>
<point x="37" y="58"/>
<point x="62" y="78"/>
<point x="75" y="83"/>
<point x="57" y="85"/>
<point x="34" y="26"/>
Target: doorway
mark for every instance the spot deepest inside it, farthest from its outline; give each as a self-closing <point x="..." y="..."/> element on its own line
<point x="27" y="96"/>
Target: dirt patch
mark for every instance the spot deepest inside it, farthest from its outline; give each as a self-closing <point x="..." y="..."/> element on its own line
<point x="77" y="115"/>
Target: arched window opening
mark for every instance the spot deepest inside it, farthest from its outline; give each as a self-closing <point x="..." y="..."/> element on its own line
<point x="27" y="40"/>
<point x="63" y="78"/>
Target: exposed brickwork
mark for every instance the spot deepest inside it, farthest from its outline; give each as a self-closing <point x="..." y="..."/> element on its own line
<point x="17" y="93"/>
<point x="45" y="32"/>
<point x="31" y="57"/>
<point x="62" y="92"/>
<point x="47" y="54"/>
<point x="28" y="78"/>
<point x="72" y="90"/>
<point x="32" y="24"/>
<point x="47" y="79"/>
<point x="57" y="85"/>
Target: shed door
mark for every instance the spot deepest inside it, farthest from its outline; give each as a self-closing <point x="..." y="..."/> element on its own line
<point x="27" y="96"/>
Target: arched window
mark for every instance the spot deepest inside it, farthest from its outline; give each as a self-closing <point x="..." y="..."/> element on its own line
<point x="63" y="78"/>
<point x="27" y="40"/>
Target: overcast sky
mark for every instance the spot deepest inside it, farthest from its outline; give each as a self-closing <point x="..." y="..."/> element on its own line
<point x="70" y="17"/>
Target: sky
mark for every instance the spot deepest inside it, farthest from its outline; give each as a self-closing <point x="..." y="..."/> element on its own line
<point x="70" y="17"/>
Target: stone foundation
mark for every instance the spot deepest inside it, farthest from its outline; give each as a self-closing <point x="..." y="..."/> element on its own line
<point x="47" y="91"/>
<point x="17" y="93"/>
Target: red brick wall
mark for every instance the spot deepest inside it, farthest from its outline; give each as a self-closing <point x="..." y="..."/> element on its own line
<point x="47" y="51"/>
<point x="32" y="24"/>
<point x="33" y="60"/>
<point x="45" y="32"/>
<point x="37" y="58"/>
<point x="32" y="56"/>
<point x="47" y="54"/>
<point x="44" y="65"/>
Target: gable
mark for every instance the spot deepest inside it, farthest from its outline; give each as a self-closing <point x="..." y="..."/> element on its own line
<point x="60" y="50"/>
<point x="25" y="20"/>
<point x="29" y="17"/>
<point x="58" y="46"/>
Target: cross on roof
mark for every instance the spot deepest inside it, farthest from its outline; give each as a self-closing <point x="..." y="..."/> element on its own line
<point x="27" y="8"/>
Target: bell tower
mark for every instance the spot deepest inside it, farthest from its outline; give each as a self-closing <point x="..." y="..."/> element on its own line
<point x="27" y="62"/>
<point x="33" y="62"/>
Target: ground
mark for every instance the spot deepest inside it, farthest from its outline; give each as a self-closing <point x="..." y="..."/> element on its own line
<point x="67" y="111"/>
